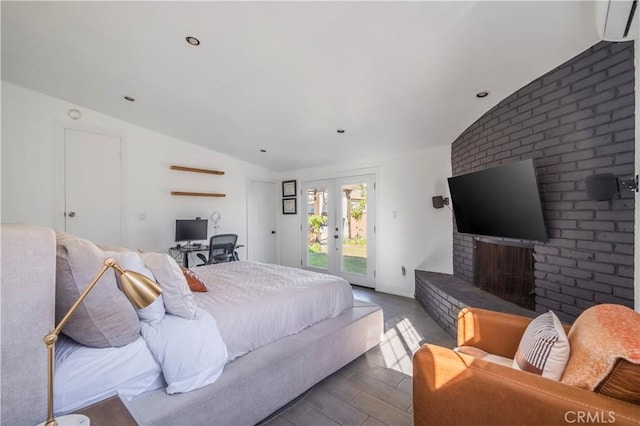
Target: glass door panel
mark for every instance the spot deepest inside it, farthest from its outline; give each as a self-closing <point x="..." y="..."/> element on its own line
<point x="354" y="228"/>
<point x="317" y="232"/>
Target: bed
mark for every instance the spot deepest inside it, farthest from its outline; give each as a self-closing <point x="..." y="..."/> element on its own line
<point x="277" y="345"/>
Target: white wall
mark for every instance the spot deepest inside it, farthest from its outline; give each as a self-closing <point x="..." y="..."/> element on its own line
<point x="419" y="237"/>
<point x="31" y="187"/>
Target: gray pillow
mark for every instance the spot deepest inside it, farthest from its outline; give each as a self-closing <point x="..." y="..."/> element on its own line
<point x="106" y="318"/>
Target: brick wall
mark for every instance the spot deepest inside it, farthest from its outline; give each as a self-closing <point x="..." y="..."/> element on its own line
<point x="575" y="121"/>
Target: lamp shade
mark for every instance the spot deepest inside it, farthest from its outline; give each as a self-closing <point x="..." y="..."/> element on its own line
<point x="140" y="290"/>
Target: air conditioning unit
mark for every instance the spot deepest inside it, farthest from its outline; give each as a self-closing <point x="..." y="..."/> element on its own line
<point x="618" y="19"/>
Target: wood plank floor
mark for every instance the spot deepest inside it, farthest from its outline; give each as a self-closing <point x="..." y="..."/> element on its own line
<point x="374" y="389"/>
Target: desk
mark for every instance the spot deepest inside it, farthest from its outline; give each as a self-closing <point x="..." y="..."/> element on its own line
<point x="185" y="250"/>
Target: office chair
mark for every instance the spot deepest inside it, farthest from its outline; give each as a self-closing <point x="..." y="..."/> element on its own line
<point x="222" y="248"/>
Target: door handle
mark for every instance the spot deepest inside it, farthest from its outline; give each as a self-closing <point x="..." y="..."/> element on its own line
<point x="336" y="237"/>
<point x="71" y="214"/>
<point x="273" y="232"/>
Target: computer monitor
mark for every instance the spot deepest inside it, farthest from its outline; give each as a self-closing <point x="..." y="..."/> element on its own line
<point x="191" y="230"/>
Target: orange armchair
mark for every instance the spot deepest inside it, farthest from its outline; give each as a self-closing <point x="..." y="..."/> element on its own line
<point x="450" y="388"/>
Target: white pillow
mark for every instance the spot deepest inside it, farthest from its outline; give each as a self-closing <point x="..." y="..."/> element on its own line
<point x="191" y="352"/>
<point x="178" y="299"/>
<point x="544" y="348"/>
<point x="153" y="313"/>
<point x="86" y="375"/>
<point x="131" y="261"/>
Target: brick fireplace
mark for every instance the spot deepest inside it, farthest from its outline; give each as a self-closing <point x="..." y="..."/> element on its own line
<point x="506" y="271"/>
<point x="575" y="121"/>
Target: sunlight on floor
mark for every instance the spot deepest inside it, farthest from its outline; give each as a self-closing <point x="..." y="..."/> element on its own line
<point x="398" y="345"/>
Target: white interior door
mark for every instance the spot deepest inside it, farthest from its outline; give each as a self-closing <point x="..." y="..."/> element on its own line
<point x="340" y="224"/>
<point x="261" y="218"/>
<point x="93" y="186"/>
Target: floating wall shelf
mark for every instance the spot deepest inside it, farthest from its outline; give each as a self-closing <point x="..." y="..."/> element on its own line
<point x="193" y="169"/>
<point x="198" y="194"/>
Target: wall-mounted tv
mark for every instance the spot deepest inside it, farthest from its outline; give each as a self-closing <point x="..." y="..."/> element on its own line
<point x="191" y="229"/>
<point x="501" y="201"/>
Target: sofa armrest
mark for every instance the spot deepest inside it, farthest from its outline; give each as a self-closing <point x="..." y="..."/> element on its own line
<point x="450" y="388"/>
<point x="495" y="332"/>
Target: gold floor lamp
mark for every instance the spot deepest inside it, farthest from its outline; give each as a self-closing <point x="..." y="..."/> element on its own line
<point x="141" y="292"/>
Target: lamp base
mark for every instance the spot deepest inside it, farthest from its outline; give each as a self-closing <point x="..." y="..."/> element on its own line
<point x="71" y="420"/>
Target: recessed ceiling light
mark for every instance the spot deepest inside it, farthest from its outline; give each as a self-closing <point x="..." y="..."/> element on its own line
<point x="263" y="150"/>
<point x="340" y="130"/>
<point x="129" y="98"/>
<point x="482" y="94"/>
<point x="193" y="41"/>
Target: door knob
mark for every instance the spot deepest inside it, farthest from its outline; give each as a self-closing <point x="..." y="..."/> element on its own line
<point x="72" y="214"/>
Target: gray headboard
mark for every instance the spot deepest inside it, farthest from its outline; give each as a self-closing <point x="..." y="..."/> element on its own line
<point x="27" y="292"/>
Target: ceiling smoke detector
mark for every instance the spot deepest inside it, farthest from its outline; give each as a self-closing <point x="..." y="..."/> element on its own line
<point x="193" y="41"/>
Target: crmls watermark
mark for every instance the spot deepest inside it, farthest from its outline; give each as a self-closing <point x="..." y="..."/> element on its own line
<point x="586" y="417"/>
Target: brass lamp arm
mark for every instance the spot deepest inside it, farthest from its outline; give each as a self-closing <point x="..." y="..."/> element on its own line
<point x="139" y="289"/>
<point x="108" y="263"/>
<point x="51" y="338"/>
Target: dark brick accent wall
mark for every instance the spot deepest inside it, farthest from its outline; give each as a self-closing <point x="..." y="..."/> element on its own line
<point x="575" y="121"/>
<point x="443" y="296"/>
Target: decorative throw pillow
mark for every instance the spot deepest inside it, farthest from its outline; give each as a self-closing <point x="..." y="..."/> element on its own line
<point x="194" y="281"/>
<point x="106" y="318"/>
<point x="544" y="348"/>
<point x="178" y="299"/>
<point x="605" y="352"/>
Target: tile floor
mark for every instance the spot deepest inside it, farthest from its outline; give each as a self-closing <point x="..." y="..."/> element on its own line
<point x="374" y="389"/>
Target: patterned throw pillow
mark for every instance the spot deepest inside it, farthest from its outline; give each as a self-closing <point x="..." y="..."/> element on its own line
<point x="544" y="348"/>
<point x="194" y="281"/>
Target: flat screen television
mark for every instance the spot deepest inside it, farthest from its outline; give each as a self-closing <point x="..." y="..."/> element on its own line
<point x="501" y="201"/>
<point x="191" y="229"/>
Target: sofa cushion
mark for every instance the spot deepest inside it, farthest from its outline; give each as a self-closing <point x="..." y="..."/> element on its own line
<point x="605" y="352"/>
<point x="544" y="348"/>
<point x="106" y="318"/>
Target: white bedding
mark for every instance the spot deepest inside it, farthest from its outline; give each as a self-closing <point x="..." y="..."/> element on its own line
<point x="257" y="303"/>
<point x="83" y="375"/>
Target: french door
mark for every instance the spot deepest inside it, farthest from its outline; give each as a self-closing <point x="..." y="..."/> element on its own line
<point x="340" y="227"/>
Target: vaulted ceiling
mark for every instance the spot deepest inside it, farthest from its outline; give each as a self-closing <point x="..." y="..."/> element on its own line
<point x="285" y="76"/>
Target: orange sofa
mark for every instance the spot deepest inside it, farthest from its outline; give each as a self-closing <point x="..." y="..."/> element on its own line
<point x="451" y="388"/>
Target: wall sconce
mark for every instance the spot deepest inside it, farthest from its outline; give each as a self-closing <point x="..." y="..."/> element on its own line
<point x="439" y="201"/>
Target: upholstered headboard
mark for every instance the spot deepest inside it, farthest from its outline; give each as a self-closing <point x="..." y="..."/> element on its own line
<point x="27" y="300"/>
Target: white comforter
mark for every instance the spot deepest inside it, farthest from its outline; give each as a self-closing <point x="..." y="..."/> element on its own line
<point x="257" y="303"/>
